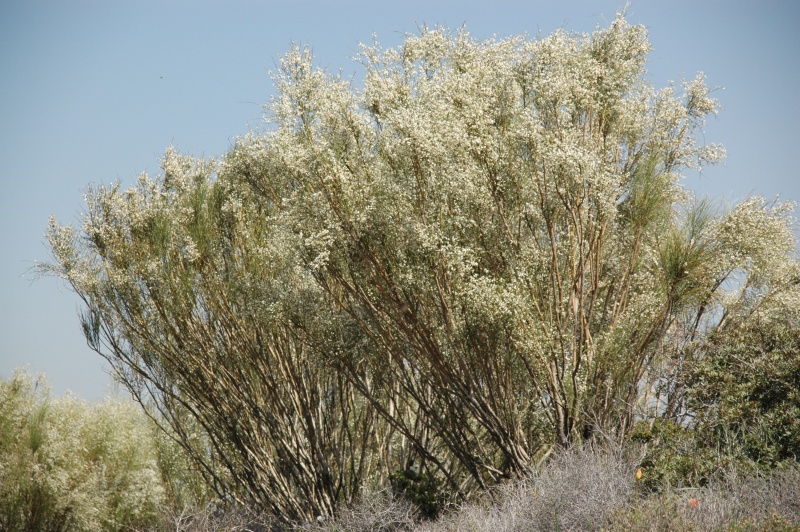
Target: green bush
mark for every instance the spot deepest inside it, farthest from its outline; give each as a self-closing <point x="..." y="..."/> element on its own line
<point x="421" y="489"/>
<point x="746" y="389"/>
<point x="69" y="465"/>
<point x="678" y="456"/>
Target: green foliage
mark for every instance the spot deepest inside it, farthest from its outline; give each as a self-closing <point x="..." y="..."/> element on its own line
<point x="742" y="399"/>
<point x="741" y="402"/>
<point x="421" y="489"/>
<point x="678" y="456"/>
<point x="67" y="465"/>
<point x="746" y="388"/>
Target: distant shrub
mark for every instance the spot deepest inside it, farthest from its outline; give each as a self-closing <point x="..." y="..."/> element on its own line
<point x="188" y="493"/>
<point x="69" y="465"/>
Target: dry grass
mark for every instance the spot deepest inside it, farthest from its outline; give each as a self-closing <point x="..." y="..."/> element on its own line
<point x="378" y="511"/>
<point x="578" y="490"/>
<point x="211" y="519"/>
<point x="737" y="504"/>
<point x="595" y="489"/>
<point x="582" y="489"/>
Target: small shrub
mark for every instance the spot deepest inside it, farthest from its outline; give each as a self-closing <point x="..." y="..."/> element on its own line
<point x="375" y="511"/>
<point x="678" y="456"/>
<point x="421" y="489"/>
<point x="577" y="490"/>
<point x="211" y="518"/>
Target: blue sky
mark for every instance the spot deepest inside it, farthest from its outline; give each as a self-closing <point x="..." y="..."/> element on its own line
<point x="94" y="91"/>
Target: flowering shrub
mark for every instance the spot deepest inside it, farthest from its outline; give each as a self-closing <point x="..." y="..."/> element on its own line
<point x="483" y="254"/>
<point x="68" y="465"/>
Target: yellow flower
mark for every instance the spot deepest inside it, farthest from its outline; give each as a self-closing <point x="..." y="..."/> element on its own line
<point x="639" y="474"/>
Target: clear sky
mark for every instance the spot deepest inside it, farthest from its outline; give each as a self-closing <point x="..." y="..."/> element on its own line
<point x="94" y="91"/>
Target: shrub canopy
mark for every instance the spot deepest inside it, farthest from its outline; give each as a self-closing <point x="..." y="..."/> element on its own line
<point x="480" y="252"/>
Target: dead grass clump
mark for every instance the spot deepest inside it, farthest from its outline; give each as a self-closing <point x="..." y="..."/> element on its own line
<point x="578" y="490"/>
<point x="376" y="511"/>
<point x="211" y="518"/>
